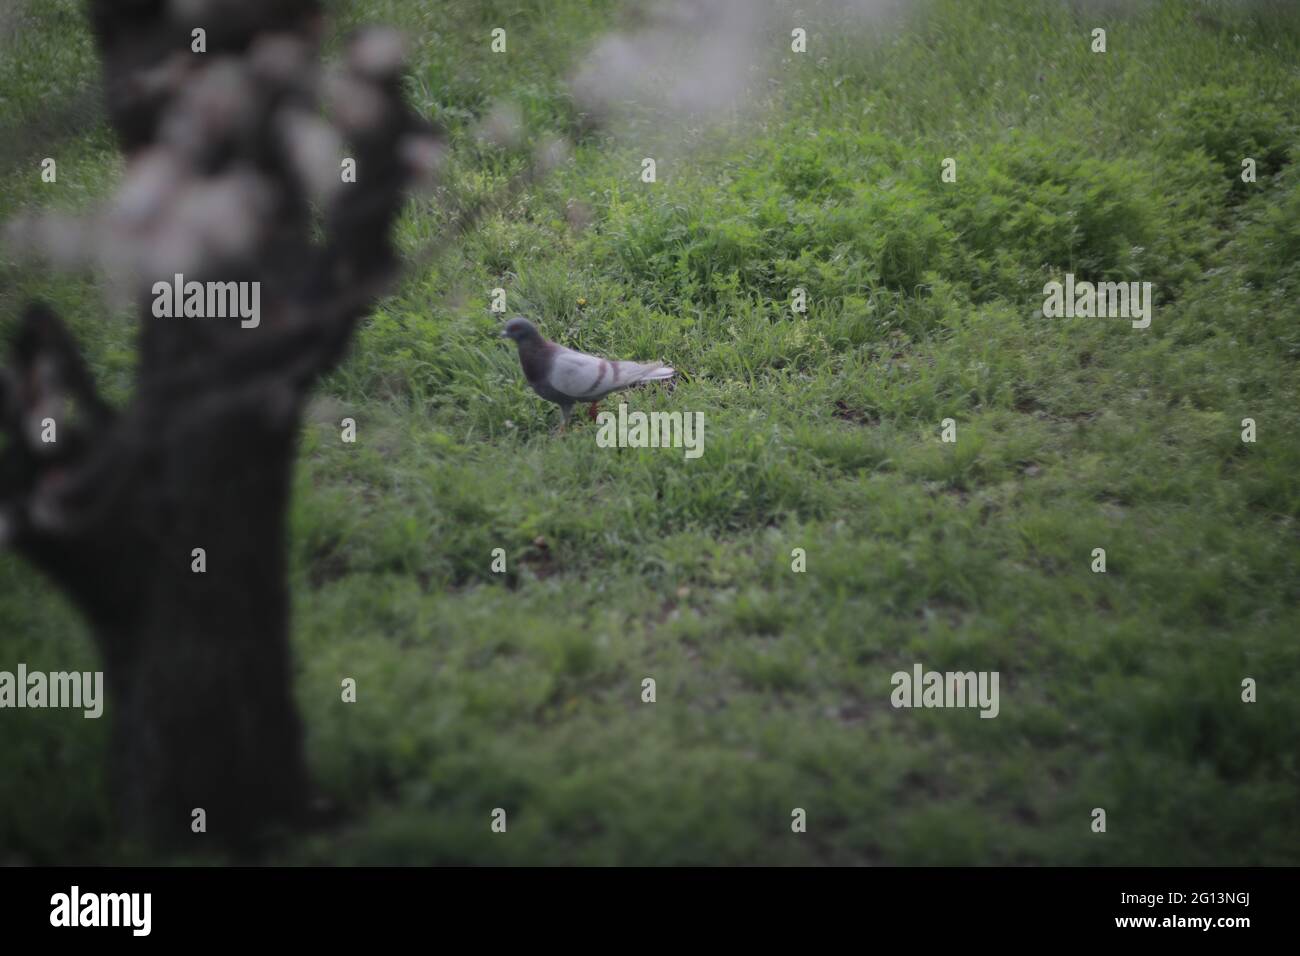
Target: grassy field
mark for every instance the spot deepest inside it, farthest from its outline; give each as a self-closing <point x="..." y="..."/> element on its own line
<point x="523" y="690"/>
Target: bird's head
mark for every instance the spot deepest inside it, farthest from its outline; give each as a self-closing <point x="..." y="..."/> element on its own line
<point x="519" y="329"/>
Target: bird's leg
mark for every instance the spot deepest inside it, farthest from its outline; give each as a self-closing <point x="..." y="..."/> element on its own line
<point x="564" y="421"/>
<point x="592" y="409"/>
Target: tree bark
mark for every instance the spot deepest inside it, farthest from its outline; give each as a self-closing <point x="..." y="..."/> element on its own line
<point x="197" y="662"/>
<point x="200" y="681"/>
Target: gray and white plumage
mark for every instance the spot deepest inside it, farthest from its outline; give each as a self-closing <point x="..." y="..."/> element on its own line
<point x="565" y="376"/>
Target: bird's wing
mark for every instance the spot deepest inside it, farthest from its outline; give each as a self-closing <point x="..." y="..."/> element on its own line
<point x="585" y="377"/>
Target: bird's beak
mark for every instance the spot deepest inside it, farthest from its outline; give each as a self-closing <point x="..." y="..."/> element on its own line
<point x="503" y="334"/>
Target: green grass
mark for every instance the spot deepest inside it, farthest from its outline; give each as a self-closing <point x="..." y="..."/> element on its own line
<point x="523" y="691"/>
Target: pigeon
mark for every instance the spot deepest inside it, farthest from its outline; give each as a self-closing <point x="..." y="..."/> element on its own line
<point x="564" y="376"/>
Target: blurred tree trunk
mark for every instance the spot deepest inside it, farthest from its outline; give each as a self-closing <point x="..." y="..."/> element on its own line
<point x="227" y="156"/>
<point x="200" y="687"/>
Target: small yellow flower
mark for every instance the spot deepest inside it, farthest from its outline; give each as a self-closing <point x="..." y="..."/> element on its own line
<point x="582" y="301"/>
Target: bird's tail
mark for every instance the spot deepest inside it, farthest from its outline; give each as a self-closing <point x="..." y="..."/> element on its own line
<point x="656" y="373"/>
